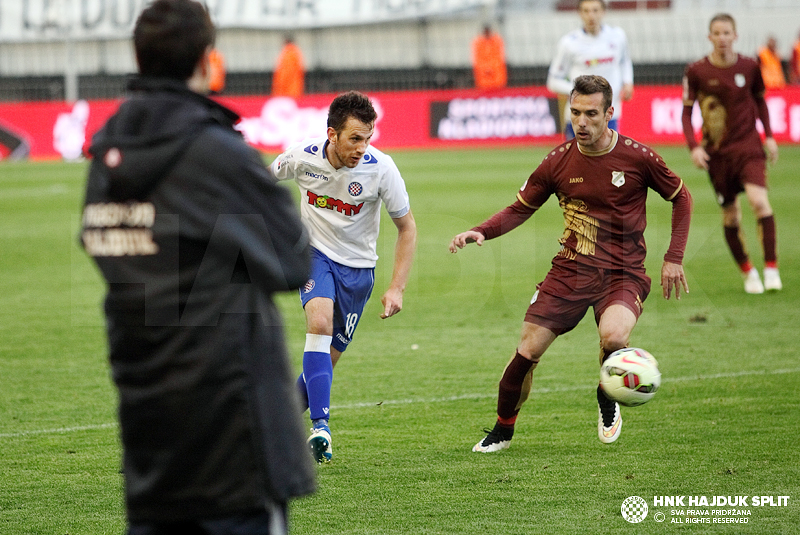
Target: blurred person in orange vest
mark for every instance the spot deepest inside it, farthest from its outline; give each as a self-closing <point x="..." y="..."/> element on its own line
<point x="794" y="69"/>
<point x="289" y="76"/>
<point x="216" y="82"/>
<point x="770" y="62"/>
<point x="489" y="60"/>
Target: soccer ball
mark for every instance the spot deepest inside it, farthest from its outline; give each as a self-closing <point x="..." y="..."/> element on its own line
<point x="630" y="376"/>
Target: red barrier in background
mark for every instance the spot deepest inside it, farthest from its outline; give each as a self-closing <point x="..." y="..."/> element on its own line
<point x="653" y="116"/>
<point x="413" y="119"/>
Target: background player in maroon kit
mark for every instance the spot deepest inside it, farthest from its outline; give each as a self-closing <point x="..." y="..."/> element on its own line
<point x="601" y="181"/>
<point x="730" y="91"/>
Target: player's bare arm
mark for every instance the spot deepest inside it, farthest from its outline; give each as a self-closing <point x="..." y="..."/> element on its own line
<point x="461" y="240"/>
<point x="672" y="276"/>
<point x="405" y="246"/>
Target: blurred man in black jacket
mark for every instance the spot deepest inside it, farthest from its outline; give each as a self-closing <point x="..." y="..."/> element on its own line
<point x="193" y="235"/>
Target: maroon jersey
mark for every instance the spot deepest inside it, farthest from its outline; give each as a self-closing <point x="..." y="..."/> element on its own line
<point x="728" y="103"/>
<point x="603" y="196"/>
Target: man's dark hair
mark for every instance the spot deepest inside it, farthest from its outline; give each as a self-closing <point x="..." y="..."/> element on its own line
<point x="171" y="36"/>
<point x="602" y="3"/>
<point x="722" y="17"/>
<point x="350" y="104"/>
<point x="589" y="84"/>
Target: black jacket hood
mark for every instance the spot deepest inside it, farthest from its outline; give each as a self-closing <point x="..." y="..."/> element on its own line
<point x="141" y="143"/>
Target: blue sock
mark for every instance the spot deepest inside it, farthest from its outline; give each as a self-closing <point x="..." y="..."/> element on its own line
<point x="301" y="388"/>
<point x="322" y="422"/>
<point x="318" y="373"/>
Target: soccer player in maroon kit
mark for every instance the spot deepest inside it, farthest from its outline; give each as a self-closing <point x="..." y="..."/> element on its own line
<point x="730" y="92"/>
<point x="601" y="179"/>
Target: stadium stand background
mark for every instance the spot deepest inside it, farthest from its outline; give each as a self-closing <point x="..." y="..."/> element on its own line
<point x="421" y="54"/>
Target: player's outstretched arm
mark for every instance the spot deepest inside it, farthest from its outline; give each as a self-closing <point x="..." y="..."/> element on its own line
<point x="500" y="223"/>
<point x="461" y="240"/>
<point x="672" y="276"/>
<point x="392" y="299"/>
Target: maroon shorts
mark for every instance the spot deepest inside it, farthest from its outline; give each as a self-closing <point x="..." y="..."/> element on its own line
<point x="729" y="174"/>
<point x="569" y="289"/>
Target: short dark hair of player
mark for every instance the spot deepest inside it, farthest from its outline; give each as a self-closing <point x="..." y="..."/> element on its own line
<point x="351" y="104"/>
<point x="589" y="84"/>
<point x="171" y="36"/>
<point x="602" y="3"/>
<point x="722" y="17"/>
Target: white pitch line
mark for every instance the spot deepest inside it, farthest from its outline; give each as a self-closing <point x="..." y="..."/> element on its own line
<point x="58" y="430"/>
<point x="574" y="388"/>
<point x="448" y="399"/>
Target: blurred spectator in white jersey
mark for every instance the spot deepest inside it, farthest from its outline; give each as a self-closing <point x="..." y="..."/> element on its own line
<point x="595" y="48"/>
<point x="69" y="132"/>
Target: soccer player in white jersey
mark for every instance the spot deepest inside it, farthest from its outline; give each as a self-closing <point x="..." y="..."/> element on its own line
<point x="343" y="181"/>
<point x="596" y="48"/>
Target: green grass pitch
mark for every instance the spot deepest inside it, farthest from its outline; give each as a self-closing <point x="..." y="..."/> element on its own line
<point x="413" y="393"/>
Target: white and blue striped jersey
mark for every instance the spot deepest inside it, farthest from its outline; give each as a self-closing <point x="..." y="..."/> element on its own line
<point x="341" y="207"/>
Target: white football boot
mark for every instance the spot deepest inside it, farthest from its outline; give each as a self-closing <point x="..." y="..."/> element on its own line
<point x="497" y="439"/>
<point x="752" y="282"/>
<point x="609" y="418"/>
<point x="772" y="280"/>
<point x="320" y="443"/>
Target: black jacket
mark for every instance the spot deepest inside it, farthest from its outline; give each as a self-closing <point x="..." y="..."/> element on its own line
<point x="193" y="235"/>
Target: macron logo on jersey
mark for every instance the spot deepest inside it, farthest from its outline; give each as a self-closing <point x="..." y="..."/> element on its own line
<point x="318" y="176"/>
<point x="329" y="203"/>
